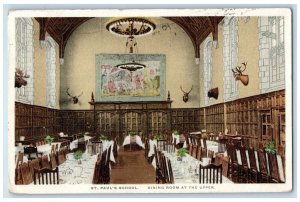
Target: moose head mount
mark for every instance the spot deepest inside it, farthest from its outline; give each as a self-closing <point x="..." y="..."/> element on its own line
<point x="185" y="97"/>
<point x="20" y="77"/>
<point x="74" y="98"/>
<point x="238" y="74"/>
<point x="213" y="93"/>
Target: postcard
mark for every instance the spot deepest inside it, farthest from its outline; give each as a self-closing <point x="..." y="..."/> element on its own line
<point x="150" y="101"/>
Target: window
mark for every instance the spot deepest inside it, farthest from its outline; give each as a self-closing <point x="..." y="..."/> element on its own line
<point x="207" y="68"/>
<point x="271" y="48"/>
<point x="24" y="58"/>
<point x="230" y="52"/>
<point x="51" y="72"/>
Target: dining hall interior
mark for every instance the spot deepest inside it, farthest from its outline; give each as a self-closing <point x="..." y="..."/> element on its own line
<point x="149" y="100"/>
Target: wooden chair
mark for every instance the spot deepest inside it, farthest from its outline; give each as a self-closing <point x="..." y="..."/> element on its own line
<point x="171" y="176"/>
<point x="210" y="154"/>
<point x="53" y="160"/>
<point x="164" y="178"/>
<point x="264" y="176"/>
<point x="46" y="176"/>
<point x="204" y="143"/>
<point x="253" y="172"/>
<point x="26" y="173"/>
<point x="161" y="145"/>
<point x="244" y="169"/>
<point x="45" y="162"/>
<point x="170" y="147"/>
<point x="191" y="149"/>
<point x="273" y="167"/>
<point x="194" y="151"/>
<point x="20" y="158"/>
<point x="233" y="169"/>
<point x="199" y="153"/>
<point x="31" y="152"/>
<point x="203" y="153"/>
<point x="210" y="174"/>
<point x="115" y="149"/>
<point x="97" y="171"/>
<point x="34" y="164"/>
<point x="18" y="176"/>
<point x="61" y="157"/>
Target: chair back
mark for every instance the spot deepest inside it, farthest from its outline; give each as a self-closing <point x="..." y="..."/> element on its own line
<point x="273" y="166"/>
<point x="252" y="159"/>
<point x="210" y="154"/>
<point x="262" y="161"/>
<point x="53" y="160"/>
<point x="26" y="173"/>
<point x="20" y="157"/>
<point x="31" y="151"/>
<point x="34" y="164"/>
<point x="203" y="153"/>
<point x="171" y="176"/>
<point x="46" y="176"/>
<point x="210" y="174"/>
<point x="243" y="156"/>
<point x="194" y="151"/>
<point x="161" y="145"/>
<point x="199" y="153"/>
<point x="45" y="162"/>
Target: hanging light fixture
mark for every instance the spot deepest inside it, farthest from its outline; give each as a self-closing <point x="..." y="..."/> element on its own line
<point x="131" y="27"/>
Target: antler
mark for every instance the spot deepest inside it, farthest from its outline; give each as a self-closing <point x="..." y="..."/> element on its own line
<point x="80" y="94"/>
<point x="182" y="89"/>
<point x="69" y="93"/>
<point x="20" y="73"/>
<point x="190" y="90"/>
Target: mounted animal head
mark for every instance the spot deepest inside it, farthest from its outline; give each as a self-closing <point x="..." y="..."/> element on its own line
<point x="20" y="78"/>
<point x="213" y="93"/>
<point x="74" y="98"/>
<point x="238" y="74"/>
<point x="185" y="97"/>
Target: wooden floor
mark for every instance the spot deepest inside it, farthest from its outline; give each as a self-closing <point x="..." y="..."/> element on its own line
<point x="132" y="168"/>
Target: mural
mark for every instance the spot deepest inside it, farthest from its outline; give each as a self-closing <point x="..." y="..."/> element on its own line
<point x="116" y="84"/>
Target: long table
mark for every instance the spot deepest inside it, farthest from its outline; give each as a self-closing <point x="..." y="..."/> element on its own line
<point x="187" y="170"/>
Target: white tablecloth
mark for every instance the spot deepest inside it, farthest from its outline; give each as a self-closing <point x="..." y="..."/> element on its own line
<point x="175" y="138"/>
<point x="187" y="170"/>
<point x="195" y="133"/>
<point x="74" y="143"/>
<point x="138" y="141"/>
<point x="152" y="143"/>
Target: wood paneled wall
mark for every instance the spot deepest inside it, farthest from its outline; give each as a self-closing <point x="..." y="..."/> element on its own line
<point x="257" y="119"/>
<point x="35" y="122"/>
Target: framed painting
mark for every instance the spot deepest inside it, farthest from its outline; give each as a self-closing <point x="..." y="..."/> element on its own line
<point x="118" y="84"/>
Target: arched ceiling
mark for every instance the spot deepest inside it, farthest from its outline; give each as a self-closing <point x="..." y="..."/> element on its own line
<point x="197" y="28"/>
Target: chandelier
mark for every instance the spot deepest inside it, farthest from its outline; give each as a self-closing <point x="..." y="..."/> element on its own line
<point x="131" y="27"/>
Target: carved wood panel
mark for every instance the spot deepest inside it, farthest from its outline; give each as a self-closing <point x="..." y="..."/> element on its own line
<point x="185" y="119"/>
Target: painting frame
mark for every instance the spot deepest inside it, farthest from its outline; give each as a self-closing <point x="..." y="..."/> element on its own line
<point x="104" y="60"/>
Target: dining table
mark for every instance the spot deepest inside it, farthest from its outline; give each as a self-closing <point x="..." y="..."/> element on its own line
<point x="74" y="143"/>
<point x="137" y="138"/>
<point x="186" y="171"/>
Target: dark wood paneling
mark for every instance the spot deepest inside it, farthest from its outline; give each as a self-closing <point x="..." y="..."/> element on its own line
<point x="257" y="119"/>
<point x="35" y="122"/>
<point x="185" y="119"/>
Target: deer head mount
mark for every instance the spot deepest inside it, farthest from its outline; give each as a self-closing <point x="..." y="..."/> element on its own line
<point x="20" y="78"/>
<point x="185" y="97"/>
<point x="74" y="98"/>
<point x="238" y="74"/>
<point x="213" y="93"/>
